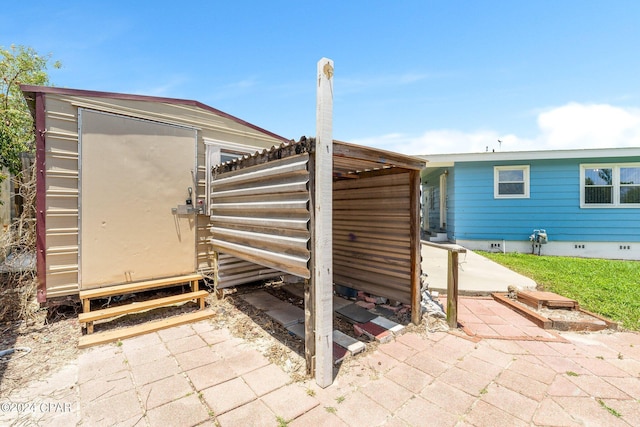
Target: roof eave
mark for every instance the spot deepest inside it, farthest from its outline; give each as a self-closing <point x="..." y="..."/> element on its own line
<point x="32" y="90"/>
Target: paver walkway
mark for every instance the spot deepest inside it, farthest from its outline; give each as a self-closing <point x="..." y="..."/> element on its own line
<point x="199" y="375"/>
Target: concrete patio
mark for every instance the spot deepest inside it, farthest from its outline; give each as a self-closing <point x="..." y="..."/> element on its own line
<point x="199" y="374"/>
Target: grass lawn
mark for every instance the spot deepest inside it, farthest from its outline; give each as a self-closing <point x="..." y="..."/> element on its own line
<point x="610" y="288"/>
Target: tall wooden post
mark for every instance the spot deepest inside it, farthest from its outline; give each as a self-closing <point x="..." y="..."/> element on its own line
<point x="452" y="289"/>
<point x="323" y="225"/>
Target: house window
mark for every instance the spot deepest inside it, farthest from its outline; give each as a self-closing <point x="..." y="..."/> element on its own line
<point x="218" y="152"/>
<point x="511" y="182"/>
<point x="610" y="185"/>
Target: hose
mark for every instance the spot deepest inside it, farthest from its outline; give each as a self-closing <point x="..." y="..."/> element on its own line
<point x="26" y="351"/>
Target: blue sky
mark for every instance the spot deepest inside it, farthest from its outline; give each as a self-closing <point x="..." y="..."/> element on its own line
<point x="416" y="77"/>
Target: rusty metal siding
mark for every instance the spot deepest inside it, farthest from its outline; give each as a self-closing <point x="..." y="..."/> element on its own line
<point x="371" y="235"/>
<point x="261" y="214"/>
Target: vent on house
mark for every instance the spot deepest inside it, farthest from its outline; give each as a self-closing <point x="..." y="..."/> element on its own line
<point x="625" y="247"/>
<point x="494" y="245"/>
<point x="578" y="246"/>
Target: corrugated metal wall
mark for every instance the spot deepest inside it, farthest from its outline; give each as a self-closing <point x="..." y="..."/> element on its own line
<point x="261" y="214"/>
<point x="234" y="271"/>
<point x="371" y="235"/>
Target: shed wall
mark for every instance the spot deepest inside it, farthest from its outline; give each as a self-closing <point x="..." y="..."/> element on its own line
<point x="261" y="214"/>
<point x="371" y="235"/>
<point x="61" y="172"/>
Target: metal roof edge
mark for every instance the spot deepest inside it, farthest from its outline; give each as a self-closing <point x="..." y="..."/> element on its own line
<point x="33" y="89"/>
<point x="440" y="160"/>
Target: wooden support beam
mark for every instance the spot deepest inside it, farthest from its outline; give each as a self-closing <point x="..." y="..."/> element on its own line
<point x="414" y="236"/>
<point x="323" y="240"/>
<point x="452" y="289"/>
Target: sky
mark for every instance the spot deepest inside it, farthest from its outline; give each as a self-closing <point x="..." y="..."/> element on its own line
<point x="416" y="77"/>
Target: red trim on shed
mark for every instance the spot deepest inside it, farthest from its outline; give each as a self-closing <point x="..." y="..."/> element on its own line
<point x="41" y="229"/>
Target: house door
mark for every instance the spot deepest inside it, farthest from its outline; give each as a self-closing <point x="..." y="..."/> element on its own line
<point x="443" y="202"/>
<point x="132" y="173"/>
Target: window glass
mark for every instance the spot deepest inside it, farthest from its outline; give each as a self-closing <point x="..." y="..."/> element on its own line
<point x="630" y="185"/>
<point x="598" y="176"/>
<point x="611" y="185"/>
<point x="511" y="175"/>
<point x="511" y="181"/>
<point x="511" y="188"/>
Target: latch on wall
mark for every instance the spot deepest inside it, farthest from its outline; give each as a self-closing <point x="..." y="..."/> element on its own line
<point x="188" y="208"/>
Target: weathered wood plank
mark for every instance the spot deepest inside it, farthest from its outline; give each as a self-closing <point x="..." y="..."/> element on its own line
<point x="323" y="241"/>
<point x="107" y="313"/>
<point x="119" y="334"/>
<point x="128" y="288"/>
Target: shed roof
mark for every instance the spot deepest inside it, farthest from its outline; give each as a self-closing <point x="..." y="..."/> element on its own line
<point x="30" y="91"/>
<point x="349" y="160"/>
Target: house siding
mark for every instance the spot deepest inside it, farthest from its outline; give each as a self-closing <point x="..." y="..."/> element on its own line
<point x="554" y="205"/>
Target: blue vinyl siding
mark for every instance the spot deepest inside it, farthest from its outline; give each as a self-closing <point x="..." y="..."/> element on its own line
<point x="554" y="205"/>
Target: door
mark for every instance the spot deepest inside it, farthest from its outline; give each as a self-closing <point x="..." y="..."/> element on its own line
<point x="443" y="202"/>
<point x="132" y="173"/>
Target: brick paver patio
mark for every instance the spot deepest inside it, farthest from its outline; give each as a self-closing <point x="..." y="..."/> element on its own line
<point x="199" y="375"/>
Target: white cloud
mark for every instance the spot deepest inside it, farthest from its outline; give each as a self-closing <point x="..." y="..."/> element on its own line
<point x="589" y="126"/>
<point x="571" y="126"/>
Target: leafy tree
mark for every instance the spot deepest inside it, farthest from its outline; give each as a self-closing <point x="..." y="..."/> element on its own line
<point x="18" y="65"/>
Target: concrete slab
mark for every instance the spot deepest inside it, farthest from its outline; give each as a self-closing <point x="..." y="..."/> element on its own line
<point x="297" y="330"/>
<point x="355" y="313"/>
<point x="339" y="302"/>
<point x="264" y="301"/>
<point x="374" y="331"/>
<point x="394" y="327"/>
<point x="351" y="344"/>
<point x="477" y="275"/>
<point x="287" y="315"/>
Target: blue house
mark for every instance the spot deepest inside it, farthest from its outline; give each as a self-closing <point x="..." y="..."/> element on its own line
<point x="587" y="201"/>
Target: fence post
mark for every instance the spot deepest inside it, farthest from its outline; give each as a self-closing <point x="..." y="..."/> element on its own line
<point x="452" y="289"/>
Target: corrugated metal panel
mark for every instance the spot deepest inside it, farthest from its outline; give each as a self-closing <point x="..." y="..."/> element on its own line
<point x="261" y="214"/>
<point x="234" y="271"/>
<point x="371" y="235"/>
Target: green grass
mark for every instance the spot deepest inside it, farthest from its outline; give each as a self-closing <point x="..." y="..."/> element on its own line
<point x="610" y="288"/>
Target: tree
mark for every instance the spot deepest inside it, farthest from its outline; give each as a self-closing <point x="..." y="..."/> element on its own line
<point x="18" y="65"/>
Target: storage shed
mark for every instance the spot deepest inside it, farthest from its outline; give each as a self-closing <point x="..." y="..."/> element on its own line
<point x="139" y="190"/>
<point x="122" y="186"/>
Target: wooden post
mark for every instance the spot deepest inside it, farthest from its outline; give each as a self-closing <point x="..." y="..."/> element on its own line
<point x="452" y="289"/>
<point x="323" y="231"/>
<point x="414" y="205"/>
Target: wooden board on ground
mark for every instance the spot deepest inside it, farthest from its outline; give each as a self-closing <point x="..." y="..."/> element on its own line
<point x="539" y="299"/>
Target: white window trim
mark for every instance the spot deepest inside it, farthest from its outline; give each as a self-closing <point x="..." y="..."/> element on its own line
<point x="213" y="150"/>
<point x="496" y="182"/>
<point x="615" y="167"/>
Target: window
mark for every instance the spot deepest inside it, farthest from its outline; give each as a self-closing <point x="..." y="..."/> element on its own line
<point x="511" y="182"/>
<point x="610" y="185"/>
<point x="218" y="152"/>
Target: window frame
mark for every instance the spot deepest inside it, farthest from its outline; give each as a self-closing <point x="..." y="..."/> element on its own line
<point x="213" y="155"/>
<point x="616" y="185"/>
<point x="526" y="181"/>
